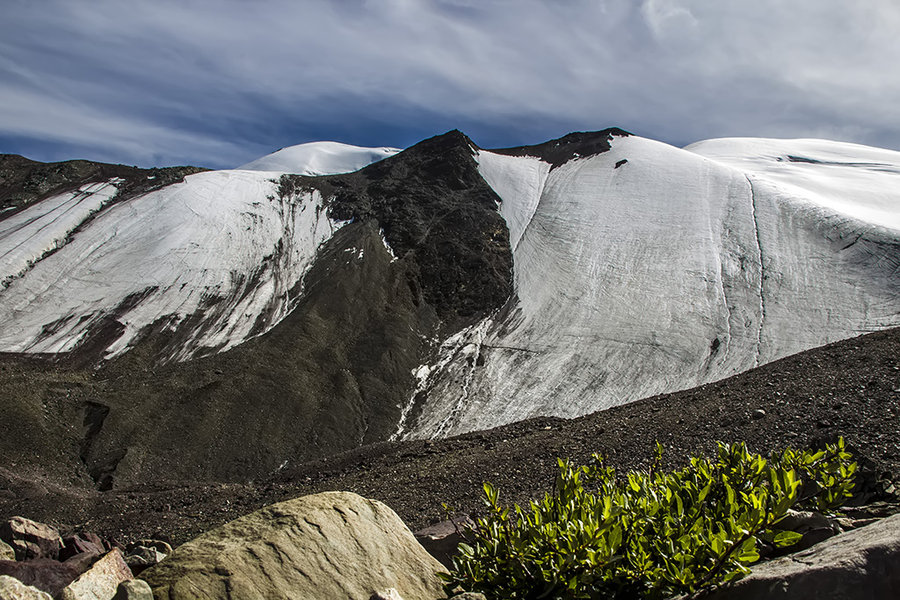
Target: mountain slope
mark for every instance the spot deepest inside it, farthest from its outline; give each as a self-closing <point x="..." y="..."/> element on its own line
<point x="646" y="268"/>
<point x="241" y="323"/>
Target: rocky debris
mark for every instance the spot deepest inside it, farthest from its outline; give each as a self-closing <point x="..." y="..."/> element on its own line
<point x="31" y="539"/>
<point x="328" y="545"/>
<point x="441" y="539"/>
<point x="6" y="551"/>
<point x="134" y="589"/>
<point x="858" y="565"/>
<point x="13" y="589"/>
<point x="469" y="596"/>
<point x="82" y="543"/>
<point x="101" y="581"/>
<point x="140" y="558"/>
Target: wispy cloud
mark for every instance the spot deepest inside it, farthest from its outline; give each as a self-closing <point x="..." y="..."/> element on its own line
<point x="218" y="83"/>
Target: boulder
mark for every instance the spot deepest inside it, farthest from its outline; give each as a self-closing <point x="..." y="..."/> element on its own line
<point x="30" y="539"/>
<point x="45" y="574"/>
<point x="134" y="589"/>
<point x="858" y="565"/>
<point x="79" y="544"/>
<point x="13" y="589"/>
<point x="328" y="545"/>
<point x="441" y="539"/>
<point x="6" y="551"/>
<point x="101" y="581"/>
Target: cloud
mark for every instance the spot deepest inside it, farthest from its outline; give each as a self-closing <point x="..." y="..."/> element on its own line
<point x="217" y="83"/>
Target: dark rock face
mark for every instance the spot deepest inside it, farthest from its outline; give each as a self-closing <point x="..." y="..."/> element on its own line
<point x="24" y="181"/>
<point x="559" y="151"/>
<point x="439" y="214"/>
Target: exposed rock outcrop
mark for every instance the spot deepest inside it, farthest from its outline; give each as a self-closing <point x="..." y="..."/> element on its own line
<point x="858" y="565"/>
<point x="328" y="545"/>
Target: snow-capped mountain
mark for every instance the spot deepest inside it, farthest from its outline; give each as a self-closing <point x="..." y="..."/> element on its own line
<point x="226" y="323"/>
<point x="319" y="158"/>
<point x="648" y="269"/>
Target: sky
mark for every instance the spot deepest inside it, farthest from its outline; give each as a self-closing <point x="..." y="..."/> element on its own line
<point x="219" y="83"/>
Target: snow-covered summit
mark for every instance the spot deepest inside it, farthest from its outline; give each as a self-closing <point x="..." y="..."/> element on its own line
<point x="647" y="269"/>
<point x="319" y="158"/>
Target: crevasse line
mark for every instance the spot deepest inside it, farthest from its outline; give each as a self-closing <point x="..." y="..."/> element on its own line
<point x="762" y="272"/>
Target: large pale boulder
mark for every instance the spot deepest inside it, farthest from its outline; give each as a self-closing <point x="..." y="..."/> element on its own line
<point x="328" y="545"/>
<point x="13" y="589"/>
<point x="101" y="581"/>
<point x="858" y="565"/>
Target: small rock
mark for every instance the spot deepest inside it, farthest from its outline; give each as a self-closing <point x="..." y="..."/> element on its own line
<point x="814" y="527"/>
<point x="6" y="551"/>
<point x="142" y="557"/>
<point x="469" y="596"/>
<point x="160" y="545"/>
<point x="388" y="594"/>
<point x="30" y="539"/>
<point x="76" y="544"/>
<point x="758" y="414"/>
<point x="442" y="539"/>
<point x="13" y="589"/>
<point x="101" y="581"/>
<point x="134" y="589"/>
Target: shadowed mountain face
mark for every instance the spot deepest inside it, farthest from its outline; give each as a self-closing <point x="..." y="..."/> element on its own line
<point x="231" y="324"/>
<point x="418" y="247"/>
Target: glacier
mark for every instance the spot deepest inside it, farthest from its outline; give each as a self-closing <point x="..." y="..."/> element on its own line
<point x="319" y="158"/>
<point x="649" y="269"/>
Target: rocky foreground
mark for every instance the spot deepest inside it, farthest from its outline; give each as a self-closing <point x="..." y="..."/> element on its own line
<point x="850" y="388"/>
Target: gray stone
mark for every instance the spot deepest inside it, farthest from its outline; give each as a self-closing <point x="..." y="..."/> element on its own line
<point x="134" y="589"/>
<point x="101" y="581"/>
<point x="858" y="565"/>
<point x="469" y="596"/>
<point x="13" y="589"/>
<point x="31" y="539"/>
<point x="328" y="545"/>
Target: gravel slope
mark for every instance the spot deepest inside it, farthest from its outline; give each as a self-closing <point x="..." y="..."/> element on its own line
<point x="850" y="388"/>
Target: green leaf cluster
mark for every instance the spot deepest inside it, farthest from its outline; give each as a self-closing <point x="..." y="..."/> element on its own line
<point x="647" y="534"/>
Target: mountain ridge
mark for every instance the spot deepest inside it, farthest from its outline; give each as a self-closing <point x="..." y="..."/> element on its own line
<point x="443" y="289"/>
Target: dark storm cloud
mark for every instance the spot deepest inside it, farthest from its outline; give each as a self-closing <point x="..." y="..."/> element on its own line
<point x="218" y="83"/>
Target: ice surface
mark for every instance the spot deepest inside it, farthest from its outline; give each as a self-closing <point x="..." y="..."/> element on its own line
<point x="220" y="247"/>
<point x="678" y="268"/>
<point x="35" y="232"/>
<point x="319" y="158"/>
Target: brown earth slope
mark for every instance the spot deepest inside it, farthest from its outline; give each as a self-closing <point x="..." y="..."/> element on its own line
<point x="850" y="388"/>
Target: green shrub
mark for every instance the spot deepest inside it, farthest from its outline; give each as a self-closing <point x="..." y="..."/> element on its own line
<point x="648" y="534"/>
